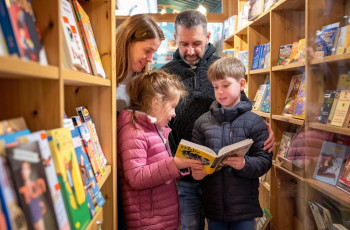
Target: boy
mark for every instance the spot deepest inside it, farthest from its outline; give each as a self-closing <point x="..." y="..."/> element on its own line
<point x="231" y="196"/>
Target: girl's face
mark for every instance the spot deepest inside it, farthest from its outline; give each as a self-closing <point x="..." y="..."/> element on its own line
<point x="164" y="111"/>
<point x="140" y="53"/>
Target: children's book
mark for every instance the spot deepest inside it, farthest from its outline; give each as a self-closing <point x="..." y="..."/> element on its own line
<point x="3" y="225"/>
<point x="255" y="9"/>
<point x="325" y="40"/>
<point x="283" y="57"/>
<point x="292" y="94"/>
<point x="344" y="178"/>
<point x="329" y="162"/>
<point x="262" y="56"/>
<point x="341" y="109"/>
<point x="343" y="81"/>
<point x="267" y="56"/>
<point x="299" y="111"/>
<point x="211" y="160"/>
<point x="321" y="215"/>
<point x="256" y="57"/>
<point x="73" y="46"/>
<point x="88" y="38"/>
<point x="69" y="177"/>
<point x="285" y="143"/>
<point x="294" y="54"/>
<point x="53" y="184"/>
<point x="31" y="185"/>
<point x="243" y="56"/>
<point x="259" y="97"/>
<point x="327" y="105"/>
<point x="335" y="102"/>
<point x="268" y="4"/>
<point x="12" y="125"/>
<point x="265" y="106"/>
<point x="340" y="49"/>
<point x="301" y="50"/>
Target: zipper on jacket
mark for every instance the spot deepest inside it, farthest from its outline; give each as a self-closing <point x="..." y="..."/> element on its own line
<point x="164" y="141"/>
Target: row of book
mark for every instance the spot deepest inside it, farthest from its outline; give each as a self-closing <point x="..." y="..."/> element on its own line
<point x="261" y="56"/>
<point x="262" y="97"/>
<point x="291" y="53"/>
<point x="20" y="35"/>
<point x="335" y="109"/>
<point x="257" y="7"/>
<point x="47" y="178"/>
<point x="332" y="155"/>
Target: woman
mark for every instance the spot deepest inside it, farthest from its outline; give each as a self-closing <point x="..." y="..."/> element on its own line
<point x="138" y="37"/>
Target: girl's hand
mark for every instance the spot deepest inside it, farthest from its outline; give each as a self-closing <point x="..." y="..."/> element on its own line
<point x="198" y="174"/>
<point x="182" y="163"/>
<point x="268" y="144"/>
<point x="235" y="162"/>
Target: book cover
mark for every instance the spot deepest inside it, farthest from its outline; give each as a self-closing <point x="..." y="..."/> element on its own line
<point x="268" y="4"/>
<point x="285" y="143"/>
<point x="301" y="50"/>
<point x="88" y="39"/>
<point x="68" y="173"/>
<point x="340" y="48"/>
<point x="256" y="57"/>
<point x="341" y="108"/>
<point x="292" y="94"/>
<point x="12" y="125"/>
<point x="267" y="61"/>
<point x="285" y="51"/>
<point x="211" y="160"/>
<point x="13" y="213"/>
<point x="93" y="194"/>
<point x="335" y="102"/>
<point x="344" y="178"/>
<point x="299" y="111"/>
<point x="25" y="31"/>
<point x="327" y="105"/>
<point x="53" y="184"/>
<point x="243" y="57"/>
<point x="343" y="81"/>
<point x="73" y="46"/>
<point x="261" y="223"/>
<point x="329" y="162"/>
<point x="346" y="122"/>
<point x="6" y="26"/>
<point x="321" y="216"/>
<point x="3" y="225"/>
<point x="262" y="56"/>
<point x="31" y="185"/>
<point x="255" y="9"/>
<point x="325" y="40"/>
<point x="3" y="48"/>
<point x="232" y="21"/>
<point x="294" y="54"/>
<point x="258" y="100"/>
<point x="265" y="106"/>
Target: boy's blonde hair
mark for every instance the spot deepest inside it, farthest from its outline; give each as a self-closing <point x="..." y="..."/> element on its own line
<point x="157" y="83"/>
<point x="226" y="67"/>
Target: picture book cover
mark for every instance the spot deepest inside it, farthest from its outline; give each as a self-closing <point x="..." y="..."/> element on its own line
<point x="94" y="196"/>
<point x="6" y="27"/>
<point x="329" y="162"/>
<point x="267" y="56"/>
<point x="299" y="110"/>
<point x="285" y="143"/>
<point x="73" y="46"/>
<point x="262" y="56"/>
<point x="335" y="102"/>
<point x="25" y="30"/>
<point x="3" y="225"/>
<point x="13" y="213"/>
<point x="69" y="177"/>
<point x="31" y="185"/>
<point x="265" y="107"/>
<point x="340" y="49"/>
<point x="88" y="38"/>
<point x="258" y="100"/>
<point x="243" y="57"/>
<point x="12" y="125"/>
<point x="283" y="57"/>
<point x="294" y="54"/>
<point x="325" y="40"/>
<point x="341" y="108"/>
<point x="255" y="9"/>
<point x="327" y="105"/>
<point x="60" y="212"/>
<point x="211" y="160"/>
<point x="256" y="57"/>
<point x="321" y="215"/>
<point x="344" y="178"/>
<point x="343" y="81"/>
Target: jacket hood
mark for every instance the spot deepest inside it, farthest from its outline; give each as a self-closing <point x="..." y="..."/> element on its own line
<point x="222" y="114"/>
<point x="210" y="49"/>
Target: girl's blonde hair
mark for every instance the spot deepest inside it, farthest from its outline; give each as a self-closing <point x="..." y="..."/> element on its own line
<point x="157" y="83"/>
<point x="226" y="67"/>
<point x="136" y="28"/>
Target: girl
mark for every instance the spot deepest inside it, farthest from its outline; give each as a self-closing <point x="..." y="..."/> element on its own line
<point x="146" y="168"/>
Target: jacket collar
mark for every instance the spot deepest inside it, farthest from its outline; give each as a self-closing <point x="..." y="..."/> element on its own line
<point x="210" y="49"/>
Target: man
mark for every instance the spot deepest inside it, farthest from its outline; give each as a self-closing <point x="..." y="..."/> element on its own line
<point x="191" y="62"/>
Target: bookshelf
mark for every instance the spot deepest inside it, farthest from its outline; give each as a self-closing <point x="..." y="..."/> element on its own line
<point x="41" y="94"/>
<point x="285" y="193"/>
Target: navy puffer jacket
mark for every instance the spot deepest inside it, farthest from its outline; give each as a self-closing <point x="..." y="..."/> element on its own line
<point x="231" y="195"/>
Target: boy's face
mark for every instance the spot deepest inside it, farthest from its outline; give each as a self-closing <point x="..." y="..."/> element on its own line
<point x="228" y="91"/>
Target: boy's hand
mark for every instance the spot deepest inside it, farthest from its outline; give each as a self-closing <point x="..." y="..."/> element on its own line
<point x="235" y="162"/>
<point x="268" y="144"/>
<point x="198" y="174"/>
<point x="182" y="163"/>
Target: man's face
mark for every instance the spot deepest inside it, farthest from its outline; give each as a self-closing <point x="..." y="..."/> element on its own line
<point x="191" y="43"/>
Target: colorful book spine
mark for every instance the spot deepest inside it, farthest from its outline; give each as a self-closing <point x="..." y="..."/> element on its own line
<point x="256" y="57"/>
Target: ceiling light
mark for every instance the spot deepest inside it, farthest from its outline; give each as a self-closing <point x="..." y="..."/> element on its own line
<point x="202" y="9"/>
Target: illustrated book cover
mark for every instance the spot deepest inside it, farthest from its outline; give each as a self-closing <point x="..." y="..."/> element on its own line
<point x="327" y="105"/>
<point x="259" y="97"/>
<point x="211" y="160"/>
<point x="325" y="40"/>
<point x="299" y="110"/>
<point x="341" y="108"/>
<point x="69" y="177"/>
<point x="344" y="178"/>
<point x="329" y="162"/>
<point x="283" y="57"/>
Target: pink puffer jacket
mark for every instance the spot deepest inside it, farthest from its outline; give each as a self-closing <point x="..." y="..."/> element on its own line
<point x="146" y="174"/>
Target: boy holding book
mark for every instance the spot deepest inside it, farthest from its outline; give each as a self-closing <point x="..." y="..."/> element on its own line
<point x="231" y="196"/>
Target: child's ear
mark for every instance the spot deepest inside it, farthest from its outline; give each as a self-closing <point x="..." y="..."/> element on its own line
<point x="242" y="83"/>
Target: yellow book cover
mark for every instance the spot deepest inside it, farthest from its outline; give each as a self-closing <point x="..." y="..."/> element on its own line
<point x="69" y="177"/>
<point x="341" y="109"/>
<point x="211" y="160"/>
<point x="294" y="54"/>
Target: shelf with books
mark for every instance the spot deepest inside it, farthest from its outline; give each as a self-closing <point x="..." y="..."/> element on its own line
<point x="290" y="67"/>
<point x="260" y="71"/>
<point x="329" y="128"/>
<point x="262" y="114"/>
<point x="340" y="58"/>
<point x="73" y="77"/>
<point x="296" y="176"/>
<point x="28" y="69"/>
<point x="105" y="176"/>
<point x="330" y="190"/>
<point x="288" y="119"/>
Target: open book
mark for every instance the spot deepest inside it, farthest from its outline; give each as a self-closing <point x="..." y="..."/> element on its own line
<point x="211" y="160"/>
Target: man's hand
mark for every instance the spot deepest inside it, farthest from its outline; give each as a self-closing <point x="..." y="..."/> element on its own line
<point x="235" y="162"/>
<point x="268" y="144"/>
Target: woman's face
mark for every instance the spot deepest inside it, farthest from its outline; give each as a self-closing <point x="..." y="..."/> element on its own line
<point x="140" y="53"/>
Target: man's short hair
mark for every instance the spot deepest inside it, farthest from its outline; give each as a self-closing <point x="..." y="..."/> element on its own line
<point x="191" y="19"/>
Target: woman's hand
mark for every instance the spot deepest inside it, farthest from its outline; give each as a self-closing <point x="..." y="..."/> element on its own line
<point x="182" y="163"/>
<point x="268" y="144"/>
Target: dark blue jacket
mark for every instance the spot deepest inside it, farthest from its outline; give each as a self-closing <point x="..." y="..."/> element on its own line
<point x="230" y="195"/>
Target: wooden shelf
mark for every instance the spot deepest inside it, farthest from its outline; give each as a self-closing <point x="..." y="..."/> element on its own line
<point x="263" y="18"/>
<point x="342" y="58"/>
<point x="13" y="67"/>
<point x="230" y="38"/>
<point x="331" y="191"/>
<point x="243" y="31"/>
<point x="290" y="67"/>
<point x="260" y="71"/>
<point x="288" y="119"/>
<point x="265" y="184"/>
<point x="289" y="5"/>
<point x="73" y="77"/>
<point x="262" y="114"/>
<point x="93" y="225"/>
<point x="105" y="176"/>
<point x="278" y="166"/>
<point x="330" y="128"/>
